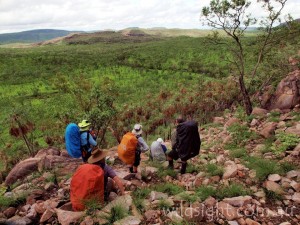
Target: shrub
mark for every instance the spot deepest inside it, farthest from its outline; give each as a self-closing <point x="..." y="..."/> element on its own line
<point x="163" y="204"/>
<point x="117" y="213"/>
<point x="240" y="134"/>
<point x="263" y="167"/>
<point x="232" y="190"/>
<point x="139" y="196"/>
<point x="214" y="170"/>
<point x="238" y="153"/>
<point x="188" y="197"/>
<point x="168" y="188"/>
<point x="12" y="201"/>
<point x="286" y="142"/>
<point x="203" y="192"/>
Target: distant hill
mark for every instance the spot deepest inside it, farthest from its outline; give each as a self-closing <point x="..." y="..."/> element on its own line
<point x="32" y="36"/>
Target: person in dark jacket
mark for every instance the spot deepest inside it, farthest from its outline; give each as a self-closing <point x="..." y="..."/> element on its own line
<point x="173" y="154"/>
<point x="187" y="143"/>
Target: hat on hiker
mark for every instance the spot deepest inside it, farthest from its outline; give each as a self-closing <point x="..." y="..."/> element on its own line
<point x="137" y="129"/>
<point x="84" y="125"/>
<point x="160" y="140"/>
<point x="97" y="155"/>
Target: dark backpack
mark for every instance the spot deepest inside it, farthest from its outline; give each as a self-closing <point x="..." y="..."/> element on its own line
<point x="187" y="140"/>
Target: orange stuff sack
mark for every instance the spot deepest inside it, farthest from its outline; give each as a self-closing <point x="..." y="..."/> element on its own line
<point x="127" y="147"/>
<point x="87" y="184"/>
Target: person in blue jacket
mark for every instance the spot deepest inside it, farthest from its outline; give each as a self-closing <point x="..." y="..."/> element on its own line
<point x="88" y="141"/>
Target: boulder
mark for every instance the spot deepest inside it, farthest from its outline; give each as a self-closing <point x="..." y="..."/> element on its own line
<point x="296" y="197"/>
<point x="287" y="93"/>
<point x="48" y="151"/>
<point x="238" y="201"/>
<point x="17" y="220"/>
<point x="268" y="129"/>
<point x="195" y="213"/>
<point x="129" y="220"/>
<point x="9" y="212"/>
<point x="273" y="186"/>
<point x="47" y="215"/>
<point x="274" y="177"/>
<point x="68" y="217"/>
<point x="154" y="195"/>
<point x="259" y="112"/>
<point x="21" y="170"/>
<point x="175" y="217"/>
<point x="230" y="170"/>
<point x="232" y="121"/>
<point x="251" y="222"/>
<point x="227" y="210"/>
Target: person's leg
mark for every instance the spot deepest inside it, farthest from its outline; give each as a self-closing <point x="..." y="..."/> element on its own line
<point x="183" y="167"/>
<point x="173" y="155"/>
<point x="137" y="161"/>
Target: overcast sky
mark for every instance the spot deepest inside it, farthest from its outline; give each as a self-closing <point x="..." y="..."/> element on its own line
<point x="87" y="15"/>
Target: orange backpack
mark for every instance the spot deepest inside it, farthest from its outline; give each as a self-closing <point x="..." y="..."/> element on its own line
<point x="87" y="184"/>
<point x="127" y="147"/>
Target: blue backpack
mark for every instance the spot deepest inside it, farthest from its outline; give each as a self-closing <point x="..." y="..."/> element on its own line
<point x="72" y="138"/>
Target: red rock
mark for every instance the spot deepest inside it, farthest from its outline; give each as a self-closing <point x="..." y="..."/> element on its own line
<point x="47" y="215"/>
<point x="9" y="212"/>
<point x="228" y="211"/>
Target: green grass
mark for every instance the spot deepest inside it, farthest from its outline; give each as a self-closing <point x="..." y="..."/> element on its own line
<point x="188" y="197"/>
<point x="203" y="192"/>
<point x="168" y="188"/>
<point x="233" y="190"/>
<point x="6" y="202"/>
<point x="263" y="167"/>
<point x="214" y="169"/>
<point x="241" y="134"/>
<point x="221" y="192"/>
<point x="163" y="204"/>
<point x="238" y="153"/>
<point x="139" y="196"/>
<point x="117" y="213"/>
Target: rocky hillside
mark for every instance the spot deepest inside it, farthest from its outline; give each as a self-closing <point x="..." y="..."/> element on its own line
<point x="247" y="173"/>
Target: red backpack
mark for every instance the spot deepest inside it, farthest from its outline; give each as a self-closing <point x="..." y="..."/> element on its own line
<point x="87" y="184"/>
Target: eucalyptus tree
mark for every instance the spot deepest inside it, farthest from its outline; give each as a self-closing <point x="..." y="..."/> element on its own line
<point x="233" y="18"/>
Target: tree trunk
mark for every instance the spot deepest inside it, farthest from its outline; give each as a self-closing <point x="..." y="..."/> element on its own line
<point x="246" y="97"/>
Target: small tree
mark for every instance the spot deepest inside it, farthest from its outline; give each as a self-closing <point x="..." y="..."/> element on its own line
<point x="231" y="17"/>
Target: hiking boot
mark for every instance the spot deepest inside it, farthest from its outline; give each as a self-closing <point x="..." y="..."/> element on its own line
<point x="183" y="167"/>
<point x="171" y="165"/>
<point x="131" y="169"/>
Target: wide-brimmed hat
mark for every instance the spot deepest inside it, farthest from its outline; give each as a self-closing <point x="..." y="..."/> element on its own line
<point x="84" y="125"/>
<point x="160" y="140"/>
<point x="97" y="155"/>
<point x="137" y="129"/>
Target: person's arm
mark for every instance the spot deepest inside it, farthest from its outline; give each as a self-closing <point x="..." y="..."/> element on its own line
<point x="143" y="145"/>
<point x="119" y="184"/>
<point x="92" y="140"/>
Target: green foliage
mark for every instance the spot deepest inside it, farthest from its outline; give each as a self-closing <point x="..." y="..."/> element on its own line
<point x="188" y="197"/>
<point x="168" y="188"/>
<point x="12" y="201"/>
<point x="163" y="172"/>
<point x="274" y="116"/>
<point x="192" y="168"/>
<point x="272" y="196"/>
<point x="232" y="190"/>
<point x="238" y="153"/>
<point x="139" y="196"/>
<point x="163" y="204"/>
<point x="214" y="169"/>
<point x="92" y="205"/>
<point x="117" y="212"/>
<point x="286" y="142"/>
<point x="263" y="167"/>
<point x="240" y="134"/>
<point x="203" y="192"/>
